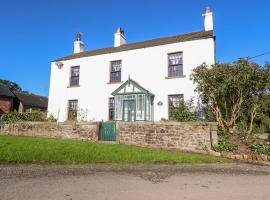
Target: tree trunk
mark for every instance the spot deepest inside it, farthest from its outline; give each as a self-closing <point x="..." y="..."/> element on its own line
<point x="252" y="117"/>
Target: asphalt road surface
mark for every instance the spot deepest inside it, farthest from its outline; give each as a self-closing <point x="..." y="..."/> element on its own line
<point x="115" y="182"/>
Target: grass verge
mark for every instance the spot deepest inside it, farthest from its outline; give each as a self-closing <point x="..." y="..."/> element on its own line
<point x="18" y="149"/>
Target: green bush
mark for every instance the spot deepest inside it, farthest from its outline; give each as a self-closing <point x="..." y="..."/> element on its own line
<point x="184" y="112"/>
<point x="33" y="116"/>
<point x="224" y="145"/>
<point x="260" y="148"/>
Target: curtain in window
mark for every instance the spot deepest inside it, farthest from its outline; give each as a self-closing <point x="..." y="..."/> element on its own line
<point x="140" y="107"/>
<point x="116" y="71"/>
<point x="175" y="64"/>
<point x="118" y="107"/>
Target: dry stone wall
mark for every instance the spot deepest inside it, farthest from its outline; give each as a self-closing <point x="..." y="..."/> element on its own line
<point x="80" y="131"/>
<point x="197" y="137"/>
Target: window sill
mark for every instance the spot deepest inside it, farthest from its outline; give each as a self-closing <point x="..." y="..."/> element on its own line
<point x="173" y="77"/>
<point x="116" y="82"/>
<point x="73" y="86"/>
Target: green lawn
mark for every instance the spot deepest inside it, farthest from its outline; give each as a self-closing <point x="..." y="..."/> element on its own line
<point x="43" y="150"/>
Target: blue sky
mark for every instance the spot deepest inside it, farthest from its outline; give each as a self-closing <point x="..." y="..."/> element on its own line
<point x="34" y="32"/>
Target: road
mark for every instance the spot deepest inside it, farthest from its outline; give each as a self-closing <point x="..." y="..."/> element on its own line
<point x="114" y="182"/>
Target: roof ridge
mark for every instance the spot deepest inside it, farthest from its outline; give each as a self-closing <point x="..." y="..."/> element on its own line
<point x="32" y="94"/>
<point x="140" y="44"/>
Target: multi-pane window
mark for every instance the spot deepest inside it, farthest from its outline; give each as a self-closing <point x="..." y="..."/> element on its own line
<point x="140" y="107"/>
<point x="111" y="108"/>
<point x="115" y="75"/>
<point x="72" y="109"/>
<point x="174" y="101"/>
<point x="175" y="64"/>
<point x="74" y="76"/>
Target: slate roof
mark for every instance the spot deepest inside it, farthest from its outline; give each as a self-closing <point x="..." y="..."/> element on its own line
<point x="147" y="43"/>
<point x="32" y="100"/>
<point x="4" y="91"/>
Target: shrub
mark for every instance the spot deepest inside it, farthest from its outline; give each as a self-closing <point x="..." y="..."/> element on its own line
<point x="260" y="148"/>
<point x="224" y="145"/>
<point x="184" y="112"/>
<point x="33" y="116"/>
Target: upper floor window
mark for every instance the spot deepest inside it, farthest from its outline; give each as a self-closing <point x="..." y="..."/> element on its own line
<point x="74" y="76"/>
<point x="175" y="64"/>
<point x="115" y="75"/>
<point x="174" y="101"/>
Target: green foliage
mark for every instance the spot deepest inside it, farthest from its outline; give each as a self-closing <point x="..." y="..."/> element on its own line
<point x="51" y="118"/>
<point x="184" y="112"/>
<point x="224" y="144"/>
<point x="163" y="120"/>
<point x="260" y="148"/>
<point x="232" y="90"/>
<point x="33" y="116"/>
<point x="43" y="150"/>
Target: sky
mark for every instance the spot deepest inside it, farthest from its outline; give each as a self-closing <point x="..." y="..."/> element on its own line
<point x="35" y="32"/>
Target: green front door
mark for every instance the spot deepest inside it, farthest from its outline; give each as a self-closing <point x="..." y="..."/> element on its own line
<point x="129" y="111"/>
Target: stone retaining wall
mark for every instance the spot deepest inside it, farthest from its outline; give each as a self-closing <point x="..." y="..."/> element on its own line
<point x="80" y="131"/>
<point x="196" y="137"/>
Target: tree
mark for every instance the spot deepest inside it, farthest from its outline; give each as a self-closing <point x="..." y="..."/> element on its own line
<point x="228" y="88"/>
<point x="14" y="87"/>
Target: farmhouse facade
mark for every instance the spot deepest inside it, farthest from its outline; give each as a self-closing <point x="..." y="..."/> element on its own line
<point x="138" y="81"/>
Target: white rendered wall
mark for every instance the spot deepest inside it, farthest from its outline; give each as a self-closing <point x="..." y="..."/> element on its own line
<point x="147" y="66"/>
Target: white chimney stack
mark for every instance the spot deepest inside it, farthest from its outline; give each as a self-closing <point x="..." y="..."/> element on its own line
<point x="78" y="44"/>
<point x="119" y="37"/>
<point x="208" y="19"/>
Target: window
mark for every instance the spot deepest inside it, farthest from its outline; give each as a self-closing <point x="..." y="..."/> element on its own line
<point x="140" y="107"/>
<point x="173" y="101"/>
<point x="74" y="76"/>
<point x="175" y="64"/>
<point x="115" y="75"/>
<point x="72" y="109"/>
<point x="111" y="108"/>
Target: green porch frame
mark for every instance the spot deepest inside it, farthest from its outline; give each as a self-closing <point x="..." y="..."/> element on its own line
<point x="133" y="102"/>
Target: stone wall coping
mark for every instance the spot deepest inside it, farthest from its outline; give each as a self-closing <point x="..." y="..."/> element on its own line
<point x="171" y="123"/>
<point x="56" y="123"/>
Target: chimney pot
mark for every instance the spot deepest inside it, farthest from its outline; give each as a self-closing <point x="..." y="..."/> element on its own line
<point x="78" y="44"/>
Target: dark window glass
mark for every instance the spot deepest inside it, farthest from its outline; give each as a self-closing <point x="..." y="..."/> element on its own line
<point x="74" y="76"/>
<point x="72" y="109"/>
<point x="116" y="71"/>
<point x="175" y="67"/>
<point x="111" y="108"/>
<point x="174" y="102"/>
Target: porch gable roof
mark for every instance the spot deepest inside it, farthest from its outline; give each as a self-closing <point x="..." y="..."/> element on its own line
<point x="137" y="88"/>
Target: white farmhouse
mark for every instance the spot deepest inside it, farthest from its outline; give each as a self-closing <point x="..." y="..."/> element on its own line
<point x="130" y="81"/>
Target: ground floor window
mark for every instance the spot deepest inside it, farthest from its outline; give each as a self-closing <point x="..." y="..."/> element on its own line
<point x="173" y="103"/>
<point x="72" y="109"/>
<point x="111" y="108"/>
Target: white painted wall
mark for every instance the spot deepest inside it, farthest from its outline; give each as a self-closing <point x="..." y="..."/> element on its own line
<point x="78" y="46"/>
<point x="119" y="39"/>
<point x="147" y="66"/>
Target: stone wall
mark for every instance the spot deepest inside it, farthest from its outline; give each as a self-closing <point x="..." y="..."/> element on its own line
<point x="189" y="136"/>
<point x="197" y="137"/>
<point x="80" y="131"/>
